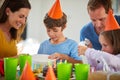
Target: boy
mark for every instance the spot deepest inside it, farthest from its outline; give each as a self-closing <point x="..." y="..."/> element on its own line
<point x="58" y="46"/>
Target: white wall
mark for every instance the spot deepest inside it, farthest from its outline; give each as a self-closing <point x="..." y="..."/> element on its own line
<point x="75" y="10"/>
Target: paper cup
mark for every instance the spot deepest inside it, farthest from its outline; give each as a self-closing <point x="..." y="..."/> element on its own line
<point x="64" y="71"/>
<point x="22" y="60"/>
<point x="81" y="71"/>
<point x="10" y="68"/>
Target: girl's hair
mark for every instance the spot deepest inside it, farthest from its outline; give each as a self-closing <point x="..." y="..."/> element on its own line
<point x="14" y="6"/>
<point x="114" y="39"/>
<point x="95" y="4"/>
<point x="50" y="23"/>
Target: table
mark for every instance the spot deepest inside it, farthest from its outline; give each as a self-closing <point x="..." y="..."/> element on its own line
<point x="97" y="75"/>
<point x="100" y="75"/>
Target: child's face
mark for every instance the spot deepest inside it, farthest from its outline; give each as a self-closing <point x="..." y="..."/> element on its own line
<point x="54" y="33"/>
<point x="106" y="45"/>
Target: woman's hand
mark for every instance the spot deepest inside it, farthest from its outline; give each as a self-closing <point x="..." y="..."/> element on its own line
<point x="81" y="50"/>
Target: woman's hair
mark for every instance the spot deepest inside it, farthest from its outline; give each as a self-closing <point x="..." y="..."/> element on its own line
<point x="14" y="6"/>
<point x="95" y="4"/>
<point x="50" y="23"/>
<point x="114" y="39"/>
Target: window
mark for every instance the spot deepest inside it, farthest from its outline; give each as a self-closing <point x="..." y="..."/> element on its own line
<point x="116" y="6"/>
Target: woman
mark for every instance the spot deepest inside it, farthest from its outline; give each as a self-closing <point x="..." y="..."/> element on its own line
<point x="13" y="15"/>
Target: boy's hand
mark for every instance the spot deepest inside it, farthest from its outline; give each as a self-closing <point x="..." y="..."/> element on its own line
<point x="57" y="56"/>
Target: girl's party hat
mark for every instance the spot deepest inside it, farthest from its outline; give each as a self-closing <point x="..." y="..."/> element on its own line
<point x="111" y="23"/>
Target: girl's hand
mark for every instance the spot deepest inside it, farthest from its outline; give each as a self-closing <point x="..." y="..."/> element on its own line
<point x="81" y="50"/>
<point x="88" y="43"/>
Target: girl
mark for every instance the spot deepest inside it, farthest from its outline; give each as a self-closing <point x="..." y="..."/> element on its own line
<point x="110" y="54"/>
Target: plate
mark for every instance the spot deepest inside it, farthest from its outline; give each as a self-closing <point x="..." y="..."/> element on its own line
<point x="41" y="58"/>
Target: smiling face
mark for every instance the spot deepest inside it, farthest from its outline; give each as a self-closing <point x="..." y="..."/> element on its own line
<point x="18" y="18"/>
<point x="98" y="17"/>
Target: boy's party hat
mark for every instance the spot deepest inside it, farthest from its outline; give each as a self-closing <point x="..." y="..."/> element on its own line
<point x="50" y="74"/>
<point x="55" y="12"/>
<point x="111" y="23"/>
<point x="27" y="73"/>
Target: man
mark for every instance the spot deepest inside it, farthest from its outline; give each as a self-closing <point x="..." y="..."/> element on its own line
<point x="98" y="11"/>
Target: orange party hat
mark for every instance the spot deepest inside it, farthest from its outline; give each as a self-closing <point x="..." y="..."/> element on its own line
<point x="55" y="12"/>
<point x="111" y="23"/>
<point x="50" y="74"/>
<point x="27" y="73"/>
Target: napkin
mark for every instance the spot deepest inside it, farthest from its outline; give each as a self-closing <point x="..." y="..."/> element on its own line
<point x="2" y="68"/>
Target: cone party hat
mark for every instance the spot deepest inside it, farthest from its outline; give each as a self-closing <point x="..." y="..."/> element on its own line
<point x="55" y="12"/>
<point x="50" y="74"/>
<point x="111" y="23"/>
<point x="27" y="73"/>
